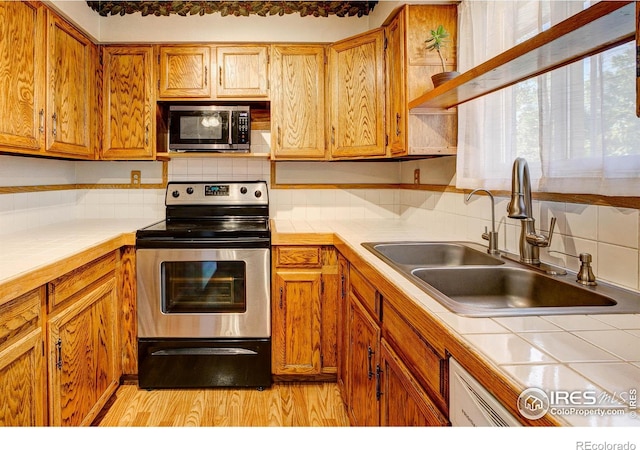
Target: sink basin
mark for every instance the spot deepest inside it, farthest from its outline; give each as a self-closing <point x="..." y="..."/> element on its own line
<point x="508" y="288"/>
<point x="470" y="282"/>
<point x="429" y="254"/>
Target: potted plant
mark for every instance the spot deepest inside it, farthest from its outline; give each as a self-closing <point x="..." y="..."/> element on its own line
<point x="438" y="42"/>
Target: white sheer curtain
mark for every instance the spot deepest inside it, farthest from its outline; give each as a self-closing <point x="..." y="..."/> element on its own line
<point x="576" y="126"/>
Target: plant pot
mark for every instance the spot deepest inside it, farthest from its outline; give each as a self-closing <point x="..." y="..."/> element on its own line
<point x="443" y="77"/>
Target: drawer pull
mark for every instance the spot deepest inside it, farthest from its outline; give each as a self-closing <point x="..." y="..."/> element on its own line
<point x="59" y="352"/>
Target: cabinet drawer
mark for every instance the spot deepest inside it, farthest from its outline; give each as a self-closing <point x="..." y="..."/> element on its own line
<point x="364" y="291"/>
<point x="305" y="257"/>
<point x="61" y="289"/>
<point x="419" y="356"/>
<point x="20" y="316"/>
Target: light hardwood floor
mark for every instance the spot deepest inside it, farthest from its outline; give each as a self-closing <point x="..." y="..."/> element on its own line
<point x="284" y="404"/>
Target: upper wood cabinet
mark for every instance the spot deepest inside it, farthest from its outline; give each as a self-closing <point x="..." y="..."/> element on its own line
<point x="22" y="91"/>
<point x="128" y="130"/>
<point x="243" y="71"/>
<point x="184" y="71"/>
<point x="298" y="102"/>
<point x="71" y="94"/>
<point x="409" y="67"/>
<point x="357" y="99"/>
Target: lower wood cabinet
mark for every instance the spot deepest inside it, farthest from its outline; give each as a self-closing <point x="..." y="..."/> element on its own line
<point x="60" y="352"/>
<point x="403" y="402"/>
<point x="23" y="389"/>
<point x="83" y="355"/>
<point x="304" y="308"/>
<point x="363" y="366"/>
<point x="380" y="384"/>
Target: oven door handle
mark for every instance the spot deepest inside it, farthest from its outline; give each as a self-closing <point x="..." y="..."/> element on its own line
<point x="171" y="242"/>
<point x="221" y="351"/>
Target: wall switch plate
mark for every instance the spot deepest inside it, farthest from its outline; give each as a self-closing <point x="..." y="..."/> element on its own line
<point x="416" y="176"/>
<point x="136" y="178"/>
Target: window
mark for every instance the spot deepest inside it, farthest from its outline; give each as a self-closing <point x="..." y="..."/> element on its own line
<point x="576" y="126"/>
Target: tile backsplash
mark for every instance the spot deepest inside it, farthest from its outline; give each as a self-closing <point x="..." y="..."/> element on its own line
<point x="611" y="235"/>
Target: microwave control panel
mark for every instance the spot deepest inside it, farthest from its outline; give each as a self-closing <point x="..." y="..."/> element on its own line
<point x="243" y="127"/>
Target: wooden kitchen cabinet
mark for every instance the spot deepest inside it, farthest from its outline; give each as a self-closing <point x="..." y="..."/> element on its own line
<point x="71" y="95"/>
<point x="128" y="130"/>
<point x="357" y="96"/>
<point x="342" y="332"/>
<point x="403" y="402"/>
<point x="304" y="308"/>
<point x="83" y="351"/>
<point x="298" y="102"/>
<point x="243" y="71"/>
<point x="409" y="67"/>
<point x="22" y="92"/>
<point x="23" y="388"/>
<point x="184" y="71"/>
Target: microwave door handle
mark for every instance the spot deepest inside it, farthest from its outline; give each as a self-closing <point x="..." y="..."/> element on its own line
<point x="230" y="128"/>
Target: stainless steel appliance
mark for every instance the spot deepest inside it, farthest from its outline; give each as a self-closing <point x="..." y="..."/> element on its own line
<point x="203" y="279"/>
<point x="209" y="128"/>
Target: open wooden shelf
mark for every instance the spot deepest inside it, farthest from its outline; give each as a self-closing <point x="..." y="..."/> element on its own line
<point x="602" y="26"/>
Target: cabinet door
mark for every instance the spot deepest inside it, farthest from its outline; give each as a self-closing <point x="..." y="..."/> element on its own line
<point x="297" y="102"/>
<point x="296" y="322"/>
<point x="22" y="383"/>
<point x="22" y="92"/>
<point x="185" y="71"/>
<point x="343" y="336"/>
<point x="402" y="401"/>
<point x="243" y="71"/>
<point x="83" y="369"/>
<point x="395" y="88"/>
<point x="356" y="69"/>
<point x="71" y="75"/>
<point x="128" y="130"/>
<point x="363" y="361"/>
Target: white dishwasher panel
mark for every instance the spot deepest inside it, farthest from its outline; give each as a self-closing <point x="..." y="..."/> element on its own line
<point x="471" y="405"/>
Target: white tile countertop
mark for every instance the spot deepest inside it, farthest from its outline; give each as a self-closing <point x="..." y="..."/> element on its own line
<point x="28" y="251"/>
<point x="577" y="353"/>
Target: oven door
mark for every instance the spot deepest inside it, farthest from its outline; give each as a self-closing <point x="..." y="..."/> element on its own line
<point x="204" y="293"/>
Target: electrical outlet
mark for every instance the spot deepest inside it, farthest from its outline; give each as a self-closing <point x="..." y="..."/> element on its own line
<point x="136" y="178"/>
<point x="416" y="176"/>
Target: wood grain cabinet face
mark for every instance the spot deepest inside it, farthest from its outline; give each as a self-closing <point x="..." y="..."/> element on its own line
<point x="128" y="130"/>
<point x="395" y="86"/>
<point x="243" y="71"/>
<point x="83" y="343"/>
<point x="22" y="96"/>
<point x="23" y="389"/>
<point x="402" y="400"/>
<point x="304" y="312"/>
<point x="356" y="118"/>
<point x="71" y="75"/>
<point x="184" y="72"/>
<point x="298" y="102"/>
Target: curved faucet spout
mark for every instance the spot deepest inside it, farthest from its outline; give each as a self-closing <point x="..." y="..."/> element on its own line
<point x="520" y="205"/>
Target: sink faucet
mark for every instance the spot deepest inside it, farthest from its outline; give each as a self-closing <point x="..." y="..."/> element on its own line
<point x="491" y="236"/>
<point x="520" y="208"/>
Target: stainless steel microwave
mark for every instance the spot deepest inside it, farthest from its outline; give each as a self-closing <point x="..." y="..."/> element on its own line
<point x="211" y="128"/>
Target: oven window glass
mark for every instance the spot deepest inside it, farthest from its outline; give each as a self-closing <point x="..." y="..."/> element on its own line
<point x="203" y="287"/>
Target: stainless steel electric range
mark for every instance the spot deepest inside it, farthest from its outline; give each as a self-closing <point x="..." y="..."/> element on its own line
<point x="203" y="278"/>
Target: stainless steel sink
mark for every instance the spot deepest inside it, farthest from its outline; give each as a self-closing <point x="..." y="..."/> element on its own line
<point x="476" y="284"/>
<point x="429" y="254"/>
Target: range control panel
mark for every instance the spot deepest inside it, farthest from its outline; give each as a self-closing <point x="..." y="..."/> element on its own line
<point x="183" y="193"/>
